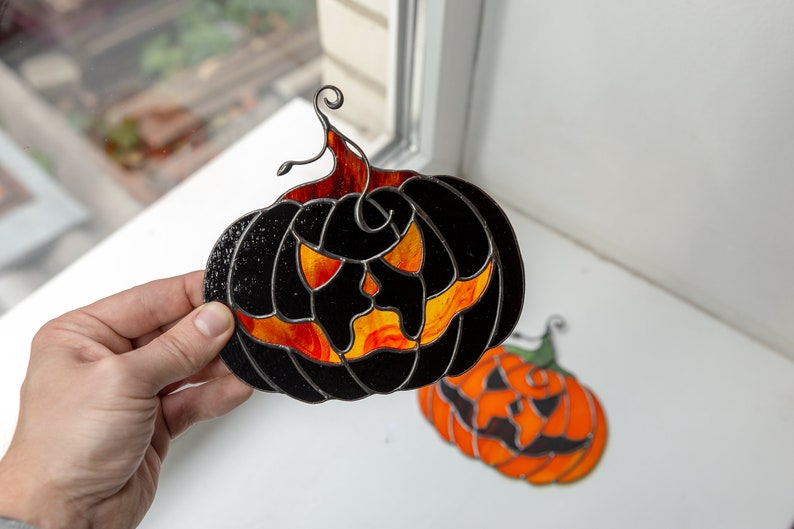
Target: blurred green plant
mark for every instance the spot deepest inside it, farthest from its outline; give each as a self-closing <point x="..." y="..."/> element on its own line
<point x="44" y="160"/>
<point x="261" y="16"/>
<point x="212" y="27"/>
<point x="120" y="141"/>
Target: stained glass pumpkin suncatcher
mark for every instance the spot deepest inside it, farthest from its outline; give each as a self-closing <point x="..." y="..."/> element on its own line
<point x="366" y="280"/>
<point x="519" y="411"/>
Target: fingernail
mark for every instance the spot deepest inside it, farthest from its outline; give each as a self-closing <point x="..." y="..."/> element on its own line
<point x="213" y="320"/>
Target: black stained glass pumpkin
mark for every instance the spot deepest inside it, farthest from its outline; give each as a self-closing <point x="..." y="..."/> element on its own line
<point x="365" y="281"/>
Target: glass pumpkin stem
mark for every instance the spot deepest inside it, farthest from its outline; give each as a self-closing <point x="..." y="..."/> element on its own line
<point x="335" y="104"/>
<point x="544" y="356"/>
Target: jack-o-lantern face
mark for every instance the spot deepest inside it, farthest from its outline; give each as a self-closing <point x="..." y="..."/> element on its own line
<point x="366" y="281"/>
<point x="521" y="413"/>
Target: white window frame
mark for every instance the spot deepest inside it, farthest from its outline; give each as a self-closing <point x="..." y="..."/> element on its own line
<point x="435" y="45"/>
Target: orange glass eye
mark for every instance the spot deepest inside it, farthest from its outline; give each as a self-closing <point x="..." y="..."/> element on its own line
<point x="317" y="268"/>
<point x="407" y="255"/>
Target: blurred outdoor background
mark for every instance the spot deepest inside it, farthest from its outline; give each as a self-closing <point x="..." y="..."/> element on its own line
<point x="105" y="105"/>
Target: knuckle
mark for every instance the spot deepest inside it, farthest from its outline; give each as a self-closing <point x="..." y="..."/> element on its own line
<point x="47" y="331"/>
<point x="112" y="371"/>
<point x="177" y="346"/>
<point x="58" y="332"/>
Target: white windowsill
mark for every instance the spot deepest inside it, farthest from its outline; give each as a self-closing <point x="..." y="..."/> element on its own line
<point x="50" y="211"/>
<point x="700" y="417"/>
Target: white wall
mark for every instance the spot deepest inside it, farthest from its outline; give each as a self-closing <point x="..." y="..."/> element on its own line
<point x="660" y="134"/>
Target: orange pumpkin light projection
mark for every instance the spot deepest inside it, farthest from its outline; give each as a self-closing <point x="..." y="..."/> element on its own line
<point x="520" y="412"/>
<point x="365" y="281"/>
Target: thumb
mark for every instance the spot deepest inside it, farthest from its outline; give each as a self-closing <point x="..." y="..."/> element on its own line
<point x="186" y="348"/>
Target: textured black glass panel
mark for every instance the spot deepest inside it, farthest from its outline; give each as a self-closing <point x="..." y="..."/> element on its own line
<point x="345" y="237"/>
<point x="310" y="221"/>
<point x="403" y="293"/>
<point x="216" y="275"/>
<point x="338" y="303"/>
<point x="434" y="358"/>
<point x="478" y="324"/>
<point x="506" y="247"/>
<point x="439" y="273"/>
<point x="277" y="364"/>
<point x="456" y="222"/>
<point x="238" y="363"/>
<point x="252" y="270"/>
<point x="290" y="295"/>
<point x="332" y="379"/>
<point x="384" y="371"/>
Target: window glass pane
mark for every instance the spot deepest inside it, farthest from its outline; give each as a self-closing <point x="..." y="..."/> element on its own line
<point x="105" y="105"/>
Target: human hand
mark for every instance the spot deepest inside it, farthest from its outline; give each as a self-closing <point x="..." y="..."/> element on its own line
<point x="98" y="407"/>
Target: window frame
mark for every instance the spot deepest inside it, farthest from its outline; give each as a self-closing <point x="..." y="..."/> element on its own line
<point x="435" y="45"/>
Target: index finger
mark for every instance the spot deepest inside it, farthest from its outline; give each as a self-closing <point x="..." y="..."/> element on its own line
<point x="148" y="307"/>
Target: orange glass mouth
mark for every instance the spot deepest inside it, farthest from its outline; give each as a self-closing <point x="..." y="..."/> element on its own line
<point x="377" y="329"/>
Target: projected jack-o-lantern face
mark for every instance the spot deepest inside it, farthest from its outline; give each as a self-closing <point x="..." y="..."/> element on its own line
<point x="519" y="411"/>
<point x="366" y="281"/>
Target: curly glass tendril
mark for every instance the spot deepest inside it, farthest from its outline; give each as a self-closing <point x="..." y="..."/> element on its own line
<point x="335" y="104"/>
<point x="554" y="321"/>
